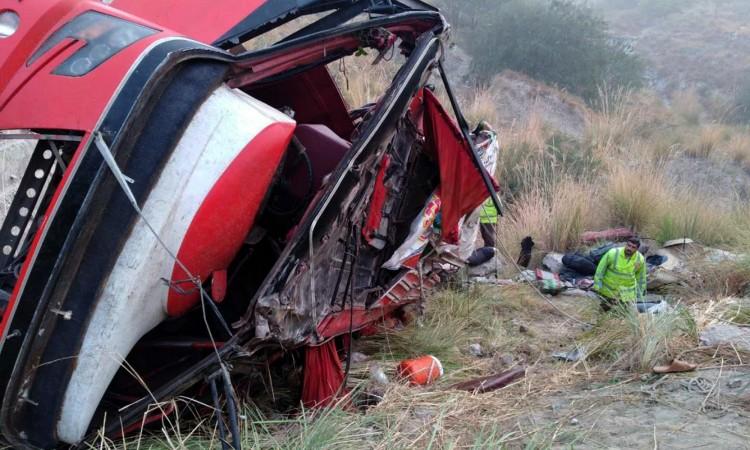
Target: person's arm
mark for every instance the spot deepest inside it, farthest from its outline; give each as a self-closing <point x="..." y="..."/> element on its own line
<point x="640" y="277"/>
<point x="601" y="269"/>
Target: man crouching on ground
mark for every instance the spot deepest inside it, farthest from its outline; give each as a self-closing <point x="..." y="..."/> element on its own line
<point x="621" y="275"/>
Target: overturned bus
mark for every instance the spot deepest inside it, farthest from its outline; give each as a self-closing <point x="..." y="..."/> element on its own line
<point x="193" y="209"/>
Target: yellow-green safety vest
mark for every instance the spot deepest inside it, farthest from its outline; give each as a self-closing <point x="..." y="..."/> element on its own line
<point x="489" y="212"/>
<point x="620" y="277"/>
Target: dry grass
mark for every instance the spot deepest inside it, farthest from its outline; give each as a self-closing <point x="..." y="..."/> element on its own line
<point x="738" y="149"/>
<point x="686" y="213"/>
<point x="480" y="106"/>
<point x="706" y="140"/>
<point x="638" y="342"/>
<point x="613" y="123"/>
<point x="360" y="81"/>
<point x="554" y="216"/>
<point x="687" y="107"/>
<point x="634" y="195"/>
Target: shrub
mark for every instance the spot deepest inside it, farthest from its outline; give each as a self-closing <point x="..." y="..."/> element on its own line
<point x="559" y="41"/>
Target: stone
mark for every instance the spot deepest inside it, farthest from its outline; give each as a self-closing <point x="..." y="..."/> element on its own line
<point x="553" y="262"/>
<point x="726" y="334"/>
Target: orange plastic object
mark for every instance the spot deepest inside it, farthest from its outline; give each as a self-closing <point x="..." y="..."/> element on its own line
<point x="420" y="371"/>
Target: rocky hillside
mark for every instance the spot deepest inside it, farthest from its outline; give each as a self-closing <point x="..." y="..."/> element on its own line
<point x="686" y="43"/>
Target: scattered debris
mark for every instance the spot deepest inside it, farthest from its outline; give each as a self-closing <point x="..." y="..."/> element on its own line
<point x="420" y="371"/>
<point x="577" y="354"/>
<point x="481" y="256"/>
<point x="495" y="281"/>
<point x="492" y="382"/>
<point x="358" y="357"/>
<point x="526" y="275"/>
<point x="476" y="350"/>
<point x="505" y="360"/>
<point x="678" y="242"/>
<point x="676" y="366"/>
<point x="660" y="278"/>
<point x="726" y="334"/>
<point x="652" y="304"/>
<point x="581" y="293"/>
<point x="716" y="255"/>
<point x="377" y="375"/>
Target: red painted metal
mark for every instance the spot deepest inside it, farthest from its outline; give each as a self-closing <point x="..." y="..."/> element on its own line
<point x="379" y="195"/>
<point x="462" y="188"/>
<point x="219" y="286"/>
<point x="202" y="20"/>
<point x="227" y="214"/>
<point x="29" y="93"/>
<point x="405" y="291"/>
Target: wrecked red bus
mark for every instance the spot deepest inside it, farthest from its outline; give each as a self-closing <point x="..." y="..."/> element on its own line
<point x="192" y="207"/>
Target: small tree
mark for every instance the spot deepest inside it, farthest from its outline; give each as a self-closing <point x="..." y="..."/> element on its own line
<point x="557" y="41"/>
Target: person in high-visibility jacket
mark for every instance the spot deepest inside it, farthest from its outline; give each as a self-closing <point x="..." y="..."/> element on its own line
<point x="487" y="222"/>
<point x="621" y="275"/>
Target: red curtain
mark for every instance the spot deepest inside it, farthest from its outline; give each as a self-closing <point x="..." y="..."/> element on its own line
<point x="462" y="189"/>
<point x="323" y="375"/>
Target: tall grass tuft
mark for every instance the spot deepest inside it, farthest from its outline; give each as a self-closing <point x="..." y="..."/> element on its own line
<point x="454" y="319"/>
<point x="706" y="141"/>
<point x="554" y="215"/>
<point x="738" y="149"/>
<point x="687" y="107"/>
<point x="634" y="195"/>
<point x="480" y="105"/>
<point x="638" y="342"/>
<point x="688" y="213"/>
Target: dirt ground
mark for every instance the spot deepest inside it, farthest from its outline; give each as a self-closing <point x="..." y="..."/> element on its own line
<point x="706" y="408"/>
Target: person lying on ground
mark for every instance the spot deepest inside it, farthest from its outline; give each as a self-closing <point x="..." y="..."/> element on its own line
<point x="621" y="275"/>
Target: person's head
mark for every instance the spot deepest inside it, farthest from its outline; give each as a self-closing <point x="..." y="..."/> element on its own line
<point x="632" y="246"/>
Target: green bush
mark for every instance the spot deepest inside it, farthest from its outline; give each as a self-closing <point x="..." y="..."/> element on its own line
<point x="556" y="41"/>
